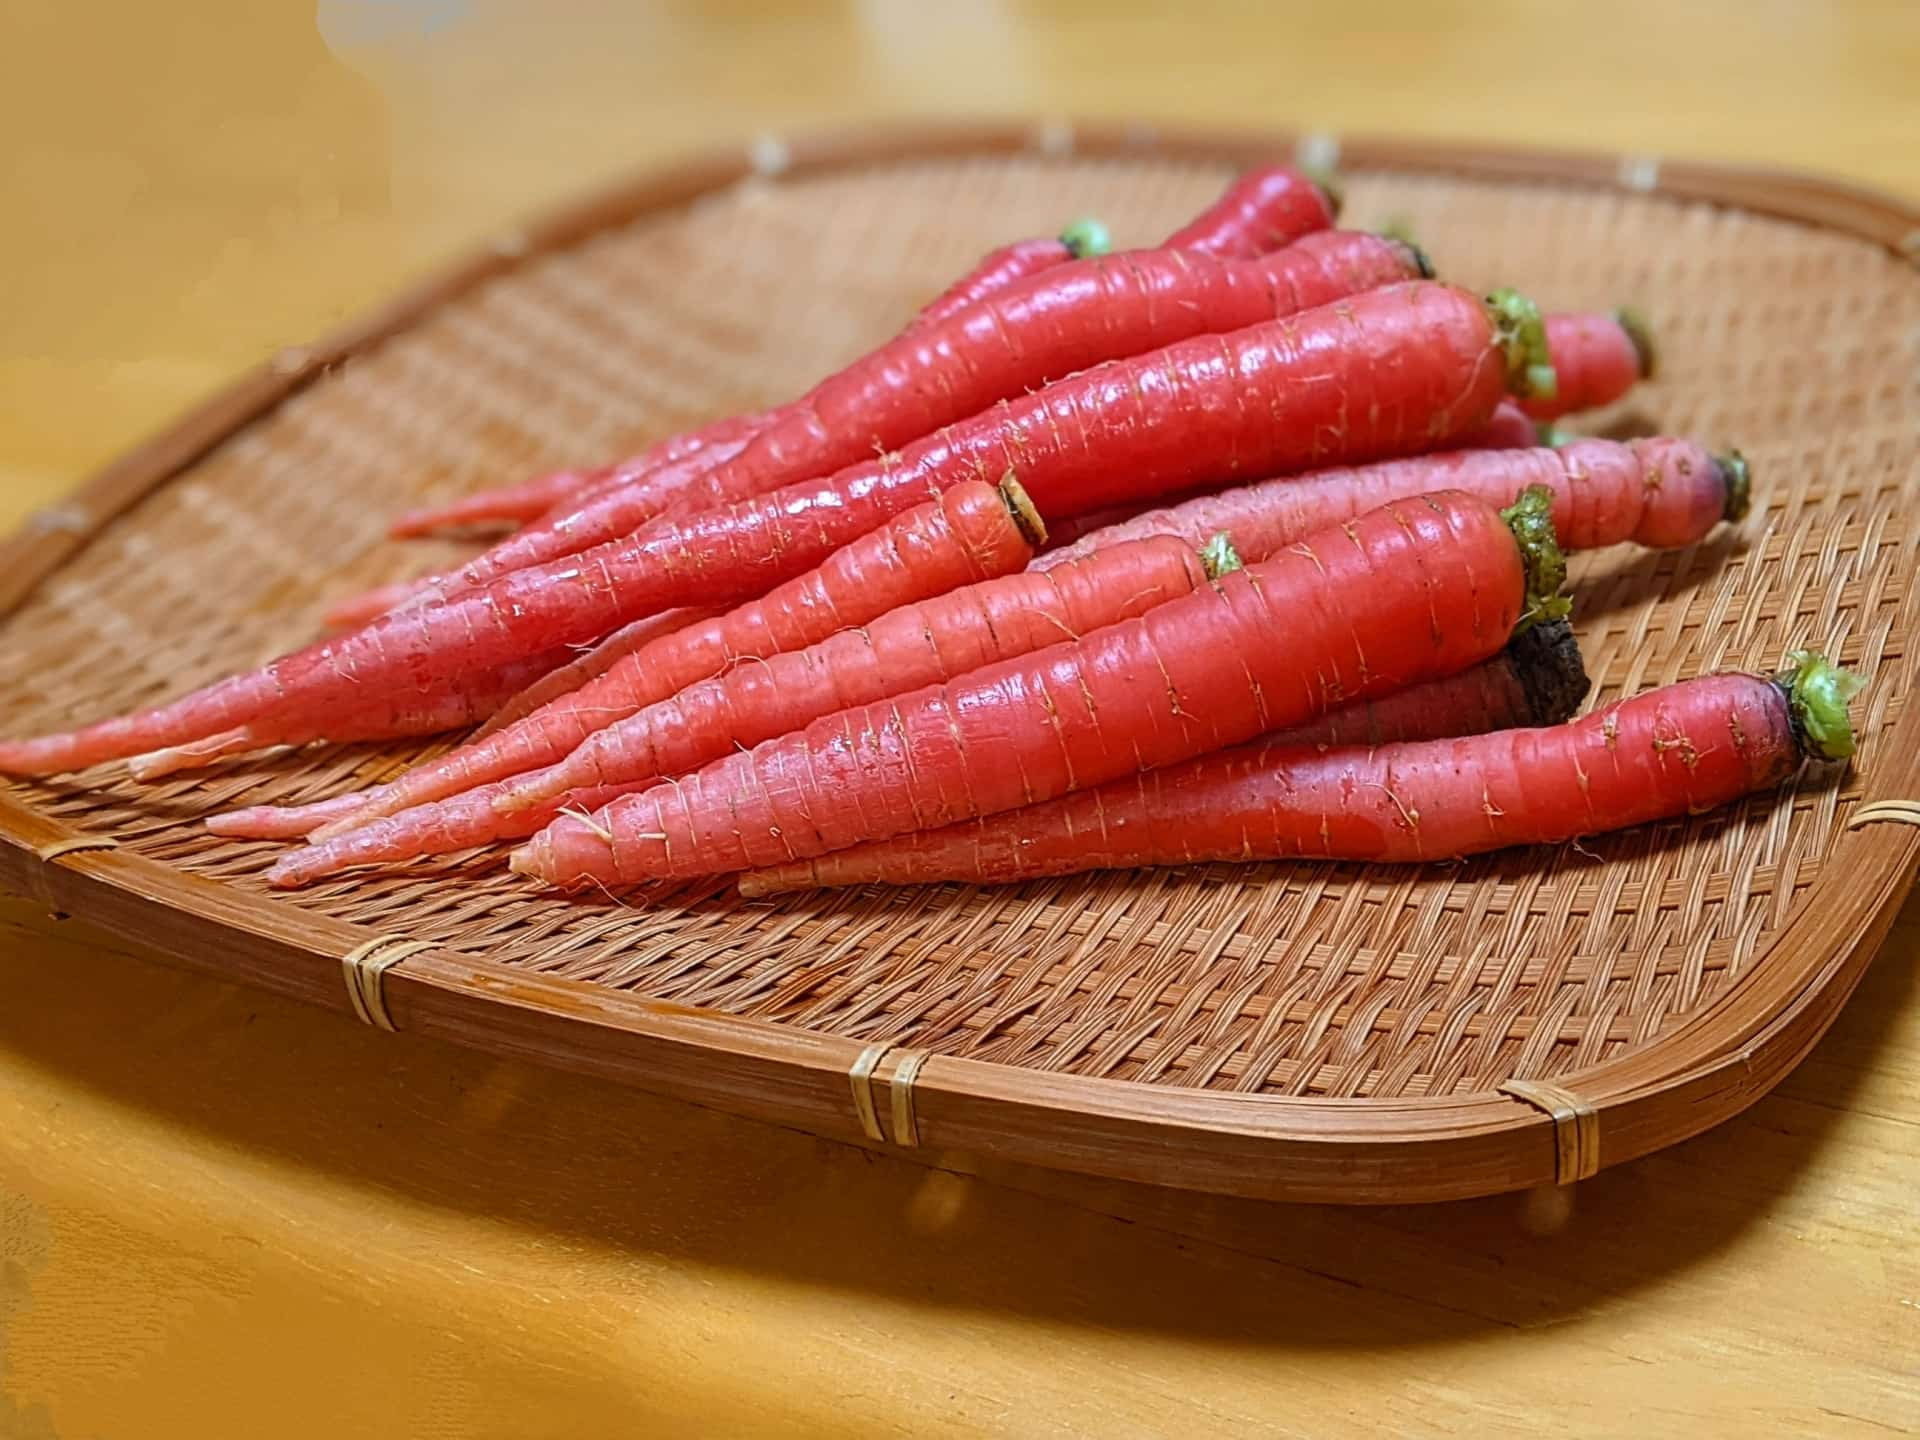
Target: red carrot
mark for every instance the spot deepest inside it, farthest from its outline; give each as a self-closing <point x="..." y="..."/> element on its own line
<point x="999" y="269"/>
<point x="967" y="534"/>
<point x="924" y="644"/>
<point x="439" y="827"/>
<point x="932" y="643"/>
<point x="1675" y="751"/>
<point x="1054" y="324"/>
<point x="368" y="605"/>
<point x="1261" y="211"/>
<point x="590" y="664"/>
<point x="1386" y="372"/>
<point x="528" y="499"/>
<point x="915" y="645"/>
<point x="1509" y="427"/>
<point x="286" y="822"/>
<point x="385" y="717"/>
<point x="1597" y="359"/>
<point x="1416" y="590"/>
<point x="1537" y="680"/>
<point x="1660" y="492"/>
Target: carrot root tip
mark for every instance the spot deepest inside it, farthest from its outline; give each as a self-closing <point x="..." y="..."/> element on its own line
<point x="1530" y="518"/>
<point x="1817" y="696"/>
<point x="1640" y="335"/>
<point x="1737" y="475"/>
<point x="1522" y="334"/>
<point x="1087" y="238"/>
<point x="1219" y="557"/>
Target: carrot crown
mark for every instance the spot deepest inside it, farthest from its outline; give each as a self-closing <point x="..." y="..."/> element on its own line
<point x="1088" y="237"/>
<point x="1522" y="336"/>
<point x="1817" y="696"/>
<point x="1219" y="557"/>
<point x="1530" y="518"/>
<point x="1737" y="476"/>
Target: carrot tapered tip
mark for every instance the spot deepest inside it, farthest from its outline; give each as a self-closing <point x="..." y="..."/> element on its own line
<point x="1219" y="557"/>
<point x="1087" y="238"/>
<point x="1817" y="696"/>
<point x="1530" y="518"/>
<point x="1521" y="334"/>
<point x="1737" y="475"/>
<point x="1640" y="334"/>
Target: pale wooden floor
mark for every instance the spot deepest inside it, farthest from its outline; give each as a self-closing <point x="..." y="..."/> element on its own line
<point x="223" y="1214"/>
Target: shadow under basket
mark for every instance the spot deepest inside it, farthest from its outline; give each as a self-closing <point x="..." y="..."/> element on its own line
<point x="1305" y="1032"/>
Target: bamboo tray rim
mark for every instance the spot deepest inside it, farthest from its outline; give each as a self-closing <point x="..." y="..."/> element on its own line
<point x="1711" y="1066"/>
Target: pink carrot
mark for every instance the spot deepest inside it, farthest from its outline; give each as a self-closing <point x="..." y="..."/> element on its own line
<point x="1509" y="428"/>
<point x="286" y="822"/>
<point x="385" y="717"/>
<point x="918" y="644"/>
<point x="927" y="643"/>
<point x="1050" y="325"/>
<point x="1679" y="750"/>
<point x="1261" y="211"/>
<point x="368" y="605"/>
<point x="1597" y="359"/>
<point x="529" y="499"/>
<point x="1383" y="373"/>
<point x="1414" y="591"/>
<point x="1000" y="269"/>
<point x="966" y="534"/>
<point x="591" y="664"/>
<point x="439" y="827"/>
<point x="1662" y="493"/>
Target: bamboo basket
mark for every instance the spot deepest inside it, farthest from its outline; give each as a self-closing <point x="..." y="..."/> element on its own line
<point x="1302" y="1032"/>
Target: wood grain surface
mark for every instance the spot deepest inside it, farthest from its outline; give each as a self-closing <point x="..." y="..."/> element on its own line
<point x="223" y="1213"/>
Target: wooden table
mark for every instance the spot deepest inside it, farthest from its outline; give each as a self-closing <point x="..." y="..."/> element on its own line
<point x="223" y="1214"/>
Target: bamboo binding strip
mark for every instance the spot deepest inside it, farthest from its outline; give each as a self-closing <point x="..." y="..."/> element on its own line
<point x="861" y="1075"/>
<point x="1576" y="1127"/>
<point x="1886" y="812"/>
<point x="365" y="967"/>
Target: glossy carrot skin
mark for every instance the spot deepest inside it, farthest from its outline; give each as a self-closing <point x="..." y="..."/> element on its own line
<point x="283" y="822"/>
<point x="1598" y="359"/>
<point x="1675" y="751"/>
<point x="1387" y="372"/>
<point x="964" y="535"/>
<point x="529" y="499"/>
<point x="439" y="827"/>
<point x="1661" y="493"/>
<point x="386" y="717"/>
<point x="997" y="270"/>
<point x="1508" y="428"/>
<point x="927" y="643"/>
<point x="1413" y="591"/>
<point x="915" y="645"/>
<point x="590" y="664"/>
<point x="1053" y="324"/>
<point x="1261" y="211"/>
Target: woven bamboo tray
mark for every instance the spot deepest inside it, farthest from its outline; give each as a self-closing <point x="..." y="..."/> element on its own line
<point x="1307" y="1032"/>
